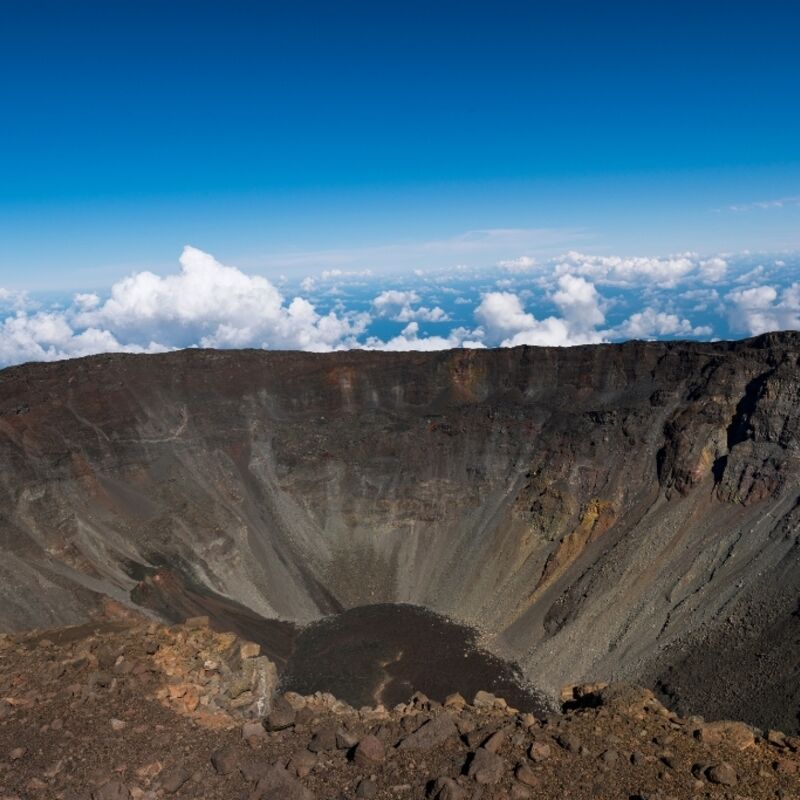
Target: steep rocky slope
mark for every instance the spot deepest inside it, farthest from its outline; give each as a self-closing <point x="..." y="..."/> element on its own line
<point x="626" y="511"/>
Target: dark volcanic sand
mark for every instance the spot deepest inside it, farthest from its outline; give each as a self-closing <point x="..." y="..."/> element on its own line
<point x="384" y="653"/>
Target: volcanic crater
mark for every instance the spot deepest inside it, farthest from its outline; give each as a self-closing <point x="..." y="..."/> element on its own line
<point x="545" y="516"/>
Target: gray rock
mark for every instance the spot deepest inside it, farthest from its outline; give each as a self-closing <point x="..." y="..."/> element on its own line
<point x="281" y="716"/>
<point x="432" y="734"/>
<point x="367" y="788"/>
<point x="345" y="740"/>
<point x="113" y="790"/>
<point x="448" y="789"/>
<point x="226" y="760"/>
<point x="323" y="740"/>
<point x="278" y="784"/>
<point x="486" y="767"/>
<point x="172" y="778"/>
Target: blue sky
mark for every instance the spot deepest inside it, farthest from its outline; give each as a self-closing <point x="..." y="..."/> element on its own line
<point x="295" y="139"/>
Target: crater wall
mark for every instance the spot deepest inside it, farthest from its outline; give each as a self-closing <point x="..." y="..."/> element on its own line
<point x="612" y="511"/>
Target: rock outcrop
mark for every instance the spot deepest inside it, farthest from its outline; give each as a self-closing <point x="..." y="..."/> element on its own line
<point x="618" y="511"/>
<point x="67" y="733"/>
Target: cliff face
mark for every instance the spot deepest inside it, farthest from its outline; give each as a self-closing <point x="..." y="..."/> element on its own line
<point x="599" y="512"/>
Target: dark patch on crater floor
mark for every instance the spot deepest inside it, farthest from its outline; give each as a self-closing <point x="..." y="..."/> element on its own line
<point x="384" y="653"/>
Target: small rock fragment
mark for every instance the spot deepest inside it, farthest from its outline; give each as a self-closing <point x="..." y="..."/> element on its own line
<point x="484" y="700"/>
<point x="113" y="790"/>
<point x="455" y="701"/>
<point x="324" y="739"/>
<point x="172" y="778"/>
<point x="430" y="734"/>
<point x="225" y="760"/>
<point x="345" y="740"/>
<point x="281" y="716"/>
<point x="524" y="774"/>
<point x="249" y="650"/>
<point x="367" y="788"/>
<point x="369" y="751"/>
<point x="723" y="774"/>
<point x="447" y="789"/>
<point x="485" y="767"/>
<point x="253" y="730"/>
<point x="539" y="751"/>
<point x="302" y="763"/>
<point x="495" y="742"/>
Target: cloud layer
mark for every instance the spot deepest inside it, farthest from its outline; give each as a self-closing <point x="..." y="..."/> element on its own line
<point x="573" y="299"/>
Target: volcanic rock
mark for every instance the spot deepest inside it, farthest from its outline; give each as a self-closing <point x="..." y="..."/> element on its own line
<point x="431" y="734"/>
<point x="486" y="767"/>
<point x="369" y="751"/>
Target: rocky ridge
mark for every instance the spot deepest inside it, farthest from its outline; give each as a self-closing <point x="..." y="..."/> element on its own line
<point x="127" y="709"/>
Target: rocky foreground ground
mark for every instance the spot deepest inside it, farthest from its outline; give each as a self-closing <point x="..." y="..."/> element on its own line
<point x="127" y="708"/>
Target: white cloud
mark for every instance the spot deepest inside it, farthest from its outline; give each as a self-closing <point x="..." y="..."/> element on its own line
<point x="48" y="336"/>
<point x="86" y="302"/>
<point x="664" y="272"/>
<point x="713" y="270"/>
<point x="409" y="339"/>
<point x="760" y="309"/>
<point x="330" y="274"/>
<point x="398" y="306"/>
<point x="205" y="303"/>
<point x="505" y="320"/>
<point x="779" y="202"/>
<point x="579" y="303"/>
<point x="10" y="299"/>
<point x="649" y="324"/>
<point x="521" y="264"/>
<point x="217" y="306"/>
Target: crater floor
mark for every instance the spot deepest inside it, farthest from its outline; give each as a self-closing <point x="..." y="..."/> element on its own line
<point x="384" y="653"/>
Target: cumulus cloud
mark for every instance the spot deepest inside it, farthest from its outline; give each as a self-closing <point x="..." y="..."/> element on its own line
<point x="579" y="302"/>
<point x="650" y="324"/>
<point x="10" y="299"/>
<point x="206" y="303"/>
<point x="409" y="339"/>
<point x="398" y="306"/>
<point x="762" y="308"/>
<point x="216" y="306"/>
<point x="663" y="272"/>
<point x="507" y="323"/>
<point x="48" y="336"/>
<point x="568" y="300"/>
<point x="521" y="264"/>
